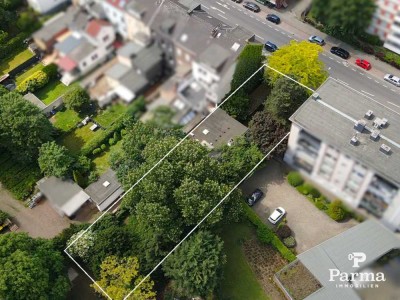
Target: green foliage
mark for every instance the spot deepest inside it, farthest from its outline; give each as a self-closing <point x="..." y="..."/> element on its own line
<point x="23" y="128"/>
<point x="285" y="98"/>
<point x="308" y="189"/>
<point x="321" y="203"/>
<point x="93" y="177"/>
<point x="10" y="4"/>
<point x="3" y="90"/>
<point x="55" y="160"/>
<point x="60" y="242"/>
<point x="284" y="231"/>
<point x="12" y="45"/>
<point x="295" y="179"/>
<point x="96" y="151"/>
<point x="103" y="147"/>
<point x="238" y="105"/>
<point x="78" y="178"/>
<point x="336" y="211"/>
<point x="34" y="82"/>
<point x="80" y="244"/>
<point x="111" y="141"/>
<point x="265" y="235"/>
<point x="196" y="266"/>
<point x="3" y="217"/>
<point x="76" y="99"/>
<point x="51" y="71"/>
<point x="289" y="242"/>
<point x="31" y="269"/>
<point x="162" y="117"/>
<point x="28" y="21"/>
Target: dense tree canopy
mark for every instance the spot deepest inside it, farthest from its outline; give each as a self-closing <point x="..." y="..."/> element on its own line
<point x="285" y="98"/>
<point x="238" y="105"/>
<point x="76" y="99"/>
<point x="196" y="266"/>
<point x="55" y="160"/>
<point x="348" y="16"/>
<point x="23" y="128"/>
<point x="31" y="269"/>
<point x="300" y="60"/>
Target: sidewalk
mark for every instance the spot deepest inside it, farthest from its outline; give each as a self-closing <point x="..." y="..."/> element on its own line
<point x="291" y="23"/>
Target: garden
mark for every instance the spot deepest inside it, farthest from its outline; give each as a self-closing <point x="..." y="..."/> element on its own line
<point x="14" y="61"/>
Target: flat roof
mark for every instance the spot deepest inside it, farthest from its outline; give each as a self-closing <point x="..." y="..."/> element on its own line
<point x="369" y="237"/>
<point x="107" y="186"/>
<point x="218" y="129"/>
<point x="331" y="118"/>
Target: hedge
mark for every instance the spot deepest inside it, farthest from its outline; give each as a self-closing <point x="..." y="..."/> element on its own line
<point x="3" y="216"/>
<point x="295" y="179"/>
<point x="34" y="82"/>
<point x="336" y="211"/>
<point x="266" y="235"/>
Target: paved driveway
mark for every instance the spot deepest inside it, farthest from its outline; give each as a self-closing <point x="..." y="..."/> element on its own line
<point x="310" y="225"/>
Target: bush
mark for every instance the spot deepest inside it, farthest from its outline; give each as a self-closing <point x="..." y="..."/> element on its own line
<point x="103" y="147"/>
<point x="265" y="235"/>
<point x="336" y="211"/>
<point x="123" y="132"/>
<point x="111" y="141"/>
<point x="321" y="203"/>
<point x="3" y="216"/>
<point x="96" y="151"/>
<point x="284" y="231"/>
<point x="93" y="177"/>
<point x="116" y="136"/>
<point x="34" y="82"/>
<point x="51" y="71"/>
<point x="295" y="179"/>
<point x="308" y="189"/>
<point x="289" y="242"/>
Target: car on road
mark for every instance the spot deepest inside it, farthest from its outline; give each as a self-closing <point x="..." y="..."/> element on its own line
<point x="316" y="40"/>
<point x="255" y="196"/>
<point x="252" y="6"/>
<point x="392" y="79"/>
<point x="273" y="18"/>
<point x="271" y="47"/>
<point x="238" y="1"/>
<point x="365" y="64"/>
<point x="276" y="215"/>
<point x="340" y="52"/>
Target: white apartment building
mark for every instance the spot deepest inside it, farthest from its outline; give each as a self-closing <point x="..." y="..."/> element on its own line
<point x="45" y="6"/>
<point x="386" y="23"/>
<point x="115" y="13"/>
<point x="350" y="147"/>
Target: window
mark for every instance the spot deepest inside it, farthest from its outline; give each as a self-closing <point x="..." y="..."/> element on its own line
<point x="106" y="38"/>
<point x="94" y="56"/>
<point x="178" y="51"/>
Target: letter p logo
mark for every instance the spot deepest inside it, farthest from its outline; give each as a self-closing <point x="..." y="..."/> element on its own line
<point x="357" y="257"/>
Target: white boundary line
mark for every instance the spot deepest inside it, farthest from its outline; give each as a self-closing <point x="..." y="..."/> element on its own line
<point x="209" y="213"/>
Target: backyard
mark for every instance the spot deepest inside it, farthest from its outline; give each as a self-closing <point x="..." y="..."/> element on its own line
<point x="102" y="161"/>
<point x="65" y="120"/>
<point x="75" y="140"/>
<point x="52" y="91"/>
<point x="14" y="61"/>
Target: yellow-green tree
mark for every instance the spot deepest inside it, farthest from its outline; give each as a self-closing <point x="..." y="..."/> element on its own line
<point x="118" y="276"/>
<point x="299" y="60"/>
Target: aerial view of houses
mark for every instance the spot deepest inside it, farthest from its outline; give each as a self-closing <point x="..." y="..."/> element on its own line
<point x="199" y="149"/>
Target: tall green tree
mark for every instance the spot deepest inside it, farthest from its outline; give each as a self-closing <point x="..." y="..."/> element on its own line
<point x="55" y="160"/>
<point x="31" y="269"/>
<point x="77" y="99"/>
<point x="285" y="98"/>
<point x="196" y="266"/>
<point x="347" y="16"/>
<point x="238" y="105"/>
<point x="23" y="128"/>
<point x="300" y="60"/>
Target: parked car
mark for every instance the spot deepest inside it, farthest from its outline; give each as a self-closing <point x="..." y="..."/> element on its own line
<point x="252" y="6"/>
<point x="365" y="64"/>
<point x="340" y="52"/>
<point x="271" y="47"/>
<point x="266" y="3"/>
<point x="316" y="40"/>
<point x="273" y="18"/>
<point x="238" y="1"/>
<point x="392" y="79"/>
<point x="255" y="196"/>
<point x="276" y="215"/>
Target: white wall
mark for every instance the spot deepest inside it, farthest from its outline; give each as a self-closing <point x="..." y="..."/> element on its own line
<point x="44" y="6"/>
<point x="116" y="17"/>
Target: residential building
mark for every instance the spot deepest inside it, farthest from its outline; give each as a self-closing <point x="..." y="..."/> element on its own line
<point x="349" y="146"/>
<point x="386" y="23"/>
<point x="46" y="6"/>
<point x="82" y="50"/>
<point x="65" y="196"/>
<point x="115" y="11"/>
<point x="366" y="242"/>
<point x="105" y="191"/>
<point x="137" y="17"/>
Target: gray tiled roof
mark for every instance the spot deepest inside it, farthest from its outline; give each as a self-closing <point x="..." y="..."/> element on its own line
<point x="117" y="71"/>
<point x="134" y="82"/>
<point x="69" y="44"/>
<point x="100" y="193"/>
<point x="129" y="50"/>
<point x="332" y="118"/>
<point x="214" y="56"/>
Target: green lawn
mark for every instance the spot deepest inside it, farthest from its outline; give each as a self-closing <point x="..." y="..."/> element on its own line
<point x="102" y="162"/>
<point x="13" y="61"/>
<point x="106" y="117"/>
<point x="52" y="91"/>
<point x="75" y="140"/>
<point x="65" y="119"/>
<point x="239" y="281"/>
<point x="28" y="73"/>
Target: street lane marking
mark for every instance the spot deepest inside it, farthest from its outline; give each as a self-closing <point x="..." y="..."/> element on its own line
<point x="360" y="73"/>
<point x="369" y="77"/>
<point x="341" y="81"/>
<point x="394" y="104"/>
<point x="330" y="58"/>
<point x="367" y="93"/>
<point x="206" y="7"/>
<point x="384" y="85"/>
<point x="392" y="90"/>
<point x="276" y="29"/>
<point x="354" y="70"/>
<point x="376" y="81"/>
<point x="223" y="17"/>
<point x="323" y="54"/>
<point x="221" y="11"/>
<point x="259" y="36"/>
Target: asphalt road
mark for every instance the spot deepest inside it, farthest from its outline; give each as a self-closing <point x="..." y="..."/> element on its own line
<point x="370" y="83"/>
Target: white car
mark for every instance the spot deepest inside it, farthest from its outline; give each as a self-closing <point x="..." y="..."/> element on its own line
<point x="276" y="215"/>
<point x="392" y="79"/>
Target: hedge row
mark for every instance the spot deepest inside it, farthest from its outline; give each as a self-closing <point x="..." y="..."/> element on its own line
<point x="13" y="45"/>
<point x="266" y="235"/>
<point x="3" y="217"/>
<point x="38" y="79"/>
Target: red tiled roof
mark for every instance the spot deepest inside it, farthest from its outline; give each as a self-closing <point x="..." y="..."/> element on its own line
<point x="67" y="64"/>
<point x="94" y="26"/>
<point x="118" y="3"/>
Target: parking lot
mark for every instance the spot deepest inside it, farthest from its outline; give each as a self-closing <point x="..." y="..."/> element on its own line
<point x="310" y="225"/>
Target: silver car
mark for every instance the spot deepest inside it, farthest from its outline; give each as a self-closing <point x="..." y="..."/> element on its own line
<point x="392" y="79"/>
<point x="316" y="40"/>
<point x="276" y="215"/>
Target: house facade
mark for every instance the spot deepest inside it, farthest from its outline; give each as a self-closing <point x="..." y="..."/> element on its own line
<point x="46" y="6"/>
<point x="115" y="11"/>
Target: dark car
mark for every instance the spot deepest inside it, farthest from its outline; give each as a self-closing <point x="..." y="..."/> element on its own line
<point x="340" y="52"/>
<point x="273" y="18"/>
<point x="251" y="6"/>
<point x="271" y="47"/>
<point x="255" y="196"/>
<point x="238" y="1"/>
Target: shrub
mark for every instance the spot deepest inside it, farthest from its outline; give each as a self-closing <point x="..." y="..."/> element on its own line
<point x="123" y="132"/>
<point x="96" y="151"/>
<point x="111" y="141"/>
<point x="320" y="203"/>
<point x="289" y="242"/>
<point x="265" y="235"/>
<point x="295" y="179"/>
<point x="336" y="211"/>
<point x="93" y="177"/>
<point x="51" y="71"/>
<point x="308" y="189"/>
<point x="302" y="189"/>
<point x="34" y="82"/>
<point x="284" y="231"/>
<point x="116" y="136"/>
<point x="3" y="216"/>
<point x="103" y="147"/>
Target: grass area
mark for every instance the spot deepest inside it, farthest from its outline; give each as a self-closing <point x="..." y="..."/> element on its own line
<point x="14" y="61"/>
<point x="28" y="73"/>
<point x="66" y="119"/>
<point x="52" y="91"/>
<point x="106" y="117"/>
<point x="239" y="280"/>
<point x="102" y="162"/>
<point x="75" y="140"/>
